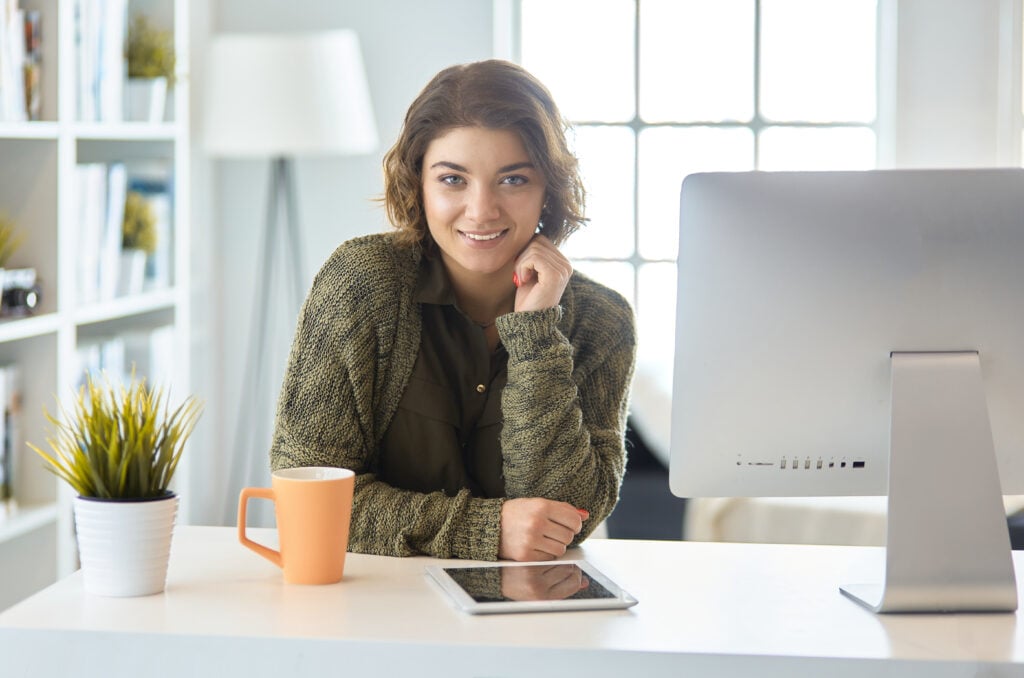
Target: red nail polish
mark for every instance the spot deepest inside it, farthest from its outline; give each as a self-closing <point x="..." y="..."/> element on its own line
<point x="515" y="278"/>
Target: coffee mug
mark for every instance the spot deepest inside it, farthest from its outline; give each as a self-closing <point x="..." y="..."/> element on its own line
<point x="313" y="506"/>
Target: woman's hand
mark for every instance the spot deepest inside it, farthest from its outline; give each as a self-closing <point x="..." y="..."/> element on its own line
<point x="541" y="274"/>
<point x="538" y="529"/>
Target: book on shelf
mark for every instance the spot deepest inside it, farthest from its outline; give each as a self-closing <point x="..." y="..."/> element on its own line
<point x="19" y="62"/>
<point x="90" y="213"/>
<point x="11" y="439"/>
<point x="101" y="358"/>
<point x="33" y="67"/>
<point x="101" y="27"/>
<point x="150" y="352"/>
<point x="113" y="229"/>
<point x="152" y="181"/>
<point x="100" y="191"/>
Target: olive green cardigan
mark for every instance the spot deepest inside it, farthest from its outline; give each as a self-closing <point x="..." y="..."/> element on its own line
<point x="564" y="407"/>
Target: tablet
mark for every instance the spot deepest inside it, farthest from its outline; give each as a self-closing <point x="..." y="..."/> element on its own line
<point x="553" y="586"/>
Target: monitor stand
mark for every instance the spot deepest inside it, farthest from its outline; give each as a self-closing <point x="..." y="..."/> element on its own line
<point x="948" y="546"/>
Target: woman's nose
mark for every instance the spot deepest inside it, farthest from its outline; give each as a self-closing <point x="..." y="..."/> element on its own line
<point x="482" y="205"/>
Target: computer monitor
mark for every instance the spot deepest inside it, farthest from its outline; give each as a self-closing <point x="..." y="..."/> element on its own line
<point x="861" y="333"/>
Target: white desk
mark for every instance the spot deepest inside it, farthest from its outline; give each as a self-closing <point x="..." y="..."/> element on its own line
<point x="705" y="609"/>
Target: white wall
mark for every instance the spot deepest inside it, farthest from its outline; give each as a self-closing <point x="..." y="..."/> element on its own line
<point x="954" y="85"/>
<point x="404" y="42"/>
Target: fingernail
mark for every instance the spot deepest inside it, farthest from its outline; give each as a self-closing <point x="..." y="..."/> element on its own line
<point x="583" y="512"/>
<point x="515" y="278"/>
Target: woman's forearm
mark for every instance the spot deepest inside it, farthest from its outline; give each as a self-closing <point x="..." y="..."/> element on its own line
<point x="562" y="439"/>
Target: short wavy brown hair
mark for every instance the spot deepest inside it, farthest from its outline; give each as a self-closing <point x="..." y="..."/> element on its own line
<point x="494" y="94"/>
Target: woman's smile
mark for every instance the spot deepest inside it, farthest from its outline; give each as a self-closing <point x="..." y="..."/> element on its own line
<point x="483" y="239"/>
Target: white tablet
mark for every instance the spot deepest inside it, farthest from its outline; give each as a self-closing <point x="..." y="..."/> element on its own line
<point x="552" y="586"/>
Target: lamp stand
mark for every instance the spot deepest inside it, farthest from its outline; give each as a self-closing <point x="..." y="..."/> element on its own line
<point x="256" y="398"/>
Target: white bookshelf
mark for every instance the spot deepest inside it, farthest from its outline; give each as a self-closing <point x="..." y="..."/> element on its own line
<point x="37" y="184"/>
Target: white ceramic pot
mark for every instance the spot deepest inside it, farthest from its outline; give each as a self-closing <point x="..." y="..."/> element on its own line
<point x="132" y="274"/>
<point x="145" y="99"/>
<point x="124" y="545"/>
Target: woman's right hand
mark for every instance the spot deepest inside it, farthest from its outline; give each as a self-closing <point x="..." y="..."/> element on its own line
<point x="538" y="529"/>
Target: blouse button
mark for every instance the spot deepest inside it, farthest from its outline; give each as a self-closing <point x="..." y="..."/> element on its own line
<point x="480" y="388"/>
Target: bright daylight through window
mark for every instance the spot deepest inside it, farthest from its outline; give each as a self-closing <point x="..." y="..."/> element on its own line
<point x="659" y="89"/>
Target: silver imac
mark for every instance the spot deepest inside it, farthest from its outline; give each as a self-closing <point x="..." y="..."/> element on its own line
<point x="861" y="333"/>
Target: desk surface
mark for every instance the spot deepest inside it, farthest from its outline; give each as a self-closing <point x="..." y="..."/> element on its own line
<point x="717" y="609"/>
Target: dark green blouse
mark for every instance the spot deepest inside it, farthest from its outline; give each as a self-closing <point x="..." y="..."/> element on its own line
<point x="446" y="433"/>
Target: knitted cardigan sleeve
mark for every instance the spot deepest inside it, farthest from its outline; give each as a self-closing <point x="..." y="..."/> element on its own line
<point x="567" y="398"/>
<point x="354" y="347"/>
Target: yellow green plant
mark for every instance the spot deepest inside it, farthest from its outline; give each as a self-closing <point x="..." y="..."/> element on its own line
<point x="10" y="239"/>
<point x="138" y="230"/>
<point x="119" y="442"/>
<point x="150" y="51"/>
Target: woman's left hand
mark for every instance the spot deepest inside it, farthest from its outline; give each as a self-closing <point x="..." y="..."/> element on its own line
<point x="542" y="273"/>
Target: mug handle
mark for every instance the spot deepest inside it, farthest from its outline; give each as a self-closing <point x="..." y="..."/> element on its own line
<point x="243" y="499"/>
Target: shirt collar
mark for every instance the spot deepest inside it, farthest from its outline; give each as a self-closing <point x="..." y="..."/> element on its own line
<point x="432" y="285"/>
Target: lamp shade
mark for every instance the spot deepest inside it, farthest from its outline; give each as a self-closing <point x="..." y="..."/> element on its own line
<point x="287" y="94"/>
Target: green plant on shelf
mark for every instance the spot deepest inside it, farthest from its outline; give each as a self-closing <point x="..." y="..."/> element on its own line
<point x="119" y="442"/>
<point x="138" y="231"/>
<point x="10" y="239"/>
<point x="150" y="51"/>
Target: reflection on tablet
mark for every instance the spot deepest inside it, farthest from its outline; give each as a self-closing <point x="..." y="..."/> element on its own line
<point x="557" y="581"/>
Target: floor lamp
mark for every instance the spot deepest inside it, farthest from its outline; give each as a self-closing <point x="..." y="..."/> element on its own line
<point x="280" y="96"/>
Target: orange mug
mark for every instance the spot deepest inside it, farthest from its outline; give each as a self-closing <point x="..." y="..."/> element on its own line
<point x="313" y="506"/>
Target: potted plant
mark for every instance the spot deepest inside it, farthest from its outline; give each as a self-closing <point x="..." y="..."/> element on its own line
<point x="138" y="241"/>
<point x="118" y="448"/>
<point x="10" y="240"/>
<point x="151" y="62"/>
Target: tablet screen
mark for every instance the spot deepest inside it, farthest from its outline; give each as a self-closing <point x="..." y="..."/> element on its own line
<point x="555" y="581"/>
<point x="529" y="587"/>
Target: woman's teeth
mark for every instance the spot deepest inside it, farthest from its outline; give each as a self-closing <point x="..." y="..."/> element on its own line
<point x="490" y="236"/>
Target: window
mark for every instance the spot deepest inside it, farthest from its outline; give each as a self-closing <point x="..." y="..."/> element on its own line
<point x="658" y="89"/>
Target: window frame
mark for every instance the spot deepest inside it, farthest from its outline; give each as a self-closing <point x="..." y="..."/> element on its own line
<point x="507" y="40"/>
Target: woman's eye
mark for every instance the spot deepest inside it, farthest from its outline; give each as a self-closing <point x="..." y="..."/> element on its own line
<point x="451" y="180"/>
<point x="514" y="180"/>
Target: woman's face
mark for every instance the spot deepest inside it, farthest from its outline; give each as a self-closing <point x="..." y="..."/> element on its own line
<point x="482" y="197"/>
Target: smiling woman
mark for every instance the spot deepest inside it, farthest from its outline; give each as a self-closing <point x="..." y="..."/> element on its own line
<point x="476" y="385"/>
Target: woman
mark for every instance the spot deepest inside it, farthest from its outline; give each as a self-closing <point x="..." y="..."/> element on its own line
<point x="476" y="385"/>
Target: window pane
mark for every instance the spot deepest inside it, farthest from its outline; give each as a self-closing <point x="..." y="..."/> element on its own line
<point x="656" y="317"/>
<point x="696" y="60"/>
<point x="584" y="54"/>
<point x="810" y="148"/>
<point x="606" y="163"/>
<point x="667" y="155"/>
<point x="818" y="60"/>
<point x="617" y="275"/>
